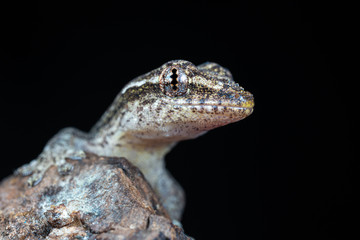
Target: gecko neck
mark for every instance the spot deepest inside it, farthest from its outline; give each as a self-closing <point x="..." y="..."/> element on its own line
<point x="148" y="158"/>
<point x="147" y="155"/>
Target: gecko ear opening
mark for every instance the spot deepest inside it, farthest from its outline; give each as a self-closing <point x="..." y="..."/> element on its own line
<point x="173" y="81"/>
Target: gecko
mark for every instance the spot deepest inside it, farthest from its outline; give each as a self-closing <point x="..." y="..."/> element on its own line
<point x="153" y="112"/>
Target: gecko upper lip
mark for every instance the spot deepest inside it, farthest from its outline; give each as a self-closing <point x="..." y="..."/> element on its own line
<point x="216" y="106"/>
<point x="244" y="105"/>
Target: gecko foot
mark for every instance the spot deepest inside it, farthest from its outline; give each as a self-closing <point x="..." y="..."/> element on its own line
<point x="38" y="167"/>
<point x="64" y="167"/>
<point x="65" y="145"/>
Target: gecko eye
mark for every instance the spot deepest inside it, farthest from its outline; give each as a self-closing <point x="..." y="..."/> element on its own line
<point x="173" y="82"/>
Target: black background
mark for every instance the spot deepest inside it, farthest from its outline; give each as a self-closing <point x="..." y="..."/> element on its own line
<point x="286" y="172"/>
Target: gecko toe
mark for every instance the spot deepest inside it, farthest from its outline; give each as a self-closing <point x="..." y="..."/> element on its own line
<point x="27" y="169"/>
<point x="35" y="179"/>
<point x="23" y="171"/>
<point x="65" y="169"/>
<point x="77" y="158"/>
<point x="79" y="155"/>
<point x="177" y="223"/>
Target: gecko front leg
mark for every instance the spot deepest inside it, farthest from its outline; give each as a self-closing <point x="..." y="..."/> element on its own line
<point x="68" y="143"/>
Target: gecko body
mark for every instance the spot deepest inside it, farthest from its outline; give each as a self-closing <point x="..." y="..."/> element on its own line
<point x="153" y="112"/>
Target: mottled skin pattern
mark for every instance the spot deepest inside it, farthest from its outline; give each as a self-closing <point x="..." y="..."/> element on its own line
<point x="149" y="116"/>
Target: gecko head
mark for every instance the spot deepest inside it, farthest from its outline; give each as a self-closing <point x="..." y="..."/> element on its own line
<point x="182" y="101"/>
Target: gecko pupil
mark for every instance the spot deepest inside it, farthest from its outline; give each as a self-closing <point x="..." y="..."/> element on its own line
<point x="174" y="81"/>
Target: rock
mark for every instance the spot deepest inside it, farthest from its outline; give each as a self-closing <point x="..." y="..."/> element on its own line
<point x="102" y="198"/>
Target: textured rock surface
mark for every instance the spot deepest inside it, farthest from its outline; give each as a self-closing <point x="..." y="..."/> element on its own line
<point x="103" y="198"/>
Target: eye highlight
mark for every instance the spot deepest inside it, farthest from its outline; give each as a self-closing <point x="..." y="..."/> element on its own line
<point x="173" y="82"/>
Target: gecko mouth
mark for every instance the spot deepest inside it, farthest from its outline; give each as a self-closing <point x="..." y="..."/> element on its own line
<point x="238" y="102"/>
<point x="244" y="111"/>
